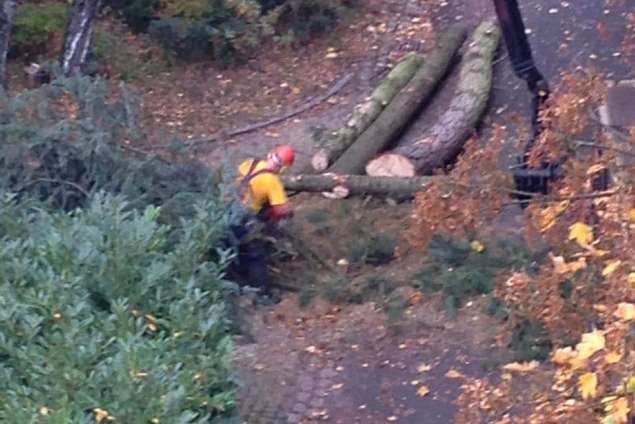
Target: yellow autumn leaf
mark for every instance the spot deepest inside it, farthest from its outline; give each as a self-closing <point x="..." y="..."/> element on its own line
<point x="625" y="311"/>
<point x="595" y="169"/>
<point x="521" y="366"/>
<point x="423" y="391"/>
<point x="630" y="385"/>
<point x="563" y="356"/>
<point x="611" y="267"/>
<point x="631" y="214"/>
<point x="547" y="217"/>
<point x="613" y="357"/>
<point x="631" y="278"/>
<point x="619" y="411"/>
<point x="581" y="233"/>
<point x="588" y="383"/>
<point x="590" y="344"/>
<point x="477" y="246"/>
<point x="44" y="411"/>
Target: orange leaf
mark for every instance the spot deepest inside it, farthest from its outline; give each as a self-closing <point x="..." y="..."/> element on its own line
<point x="590" y="344"/>
<point x="611" y="267"/>
<point x="423" y="391"/>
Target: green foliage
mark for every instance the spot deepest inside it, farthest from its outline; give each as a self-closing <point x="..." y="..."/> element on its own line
<point x="64" y="142"/>
<point x="136" y="13"/>
<point x="101" y="308"/>
<point x="459" y="272"/>
<point x="379" y="249"/>
<point x="307" y="18"/>
<point x="530" y="341"/>
<point x="226" y="29"/>
<point x="37" y="24"/>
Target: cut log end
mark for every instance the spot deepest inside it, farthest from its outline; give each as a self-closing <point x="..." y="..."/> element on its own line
<point x="320" y="161"/>
<point x="391" y="165"/>
<point x="338" y="192"/>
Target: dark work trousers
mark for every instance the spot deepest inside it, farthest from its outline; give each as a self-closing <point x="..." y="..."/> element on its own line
<point x="250" y="265"/>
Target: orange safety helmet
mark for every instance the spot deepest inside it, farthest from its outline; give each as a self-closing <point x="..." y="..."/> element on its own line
<point x="284" y="155"/>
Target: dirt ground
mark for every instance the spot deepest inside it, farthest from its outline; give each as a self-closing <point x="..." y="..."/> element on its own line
<point x="349" y="363"/>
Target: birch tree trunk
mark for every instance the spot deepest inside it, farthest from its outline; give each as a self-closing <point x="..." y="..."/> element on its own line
<point x="78" y="36"/>
<point x="7" y="17"/>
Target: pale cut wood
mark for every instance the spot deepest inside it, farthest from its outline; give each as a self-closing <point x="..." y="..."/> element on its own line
<point x="390" y="165"/>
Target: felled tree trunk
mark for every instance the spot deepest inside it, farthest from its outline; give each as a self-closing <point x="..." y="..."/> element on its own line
<point x="335" y="143"/>
<point x="7" y="18"/>
<point x="78" y="36"/>
<point x="399" y="112"/>
<point x="356" y="184"/>
<point x="445" y="139"/>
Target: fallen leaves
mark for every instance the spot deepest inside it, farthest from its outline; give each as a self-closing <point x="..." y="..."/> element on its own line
<point x="611" y="267"/>
<point x="587" y="383"/>
<point x="618" y="410"/>
<point x="625" y="311"/>
<point x="477" y="246"/>
<point x="521" y="366"/>
<point x="613" y="357"/>
<point x="454" y="374"/>
<point x="591" y="343"/>
<point x="423" y="391"/>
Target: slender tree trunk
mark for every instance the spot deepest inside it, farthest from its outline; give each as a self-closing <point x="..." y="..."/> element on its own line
<point x="357" y="184"/>
<point x="78" y="36"/>
<point x="7" y="17"/>
<point x="396" y="116"/>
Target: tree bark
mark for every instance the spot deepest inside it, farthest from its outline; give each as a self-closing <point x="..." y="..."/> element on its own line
<point x="335" y="143"/>
<point x="7" y="18"/>
<point x="78" y="36"/>
<point x="399" y="112"/>
<point x="356" y="184"/>
<point x="445" y="139"/>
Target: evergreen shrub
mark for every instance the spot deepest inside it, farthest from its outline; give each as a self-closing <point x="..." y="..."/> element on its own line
<point x="101" y="314"/>
<point x="36" y="24"/>
<point x="111" y="297"/>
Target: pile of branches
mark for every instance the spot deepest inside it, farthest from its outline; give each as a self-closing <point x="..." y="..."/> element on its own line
<point x="70" y="139"/>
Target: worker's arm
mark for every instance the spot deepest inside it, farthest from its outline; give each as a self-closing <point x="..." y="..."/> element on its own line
<point x="278" y="201"/>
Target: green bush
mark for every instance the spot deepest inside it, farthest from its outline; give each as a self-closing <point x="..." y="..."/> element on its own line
<point x="459" y="272"/>
<point x="225" y="30"/>
<point x="37" y="24"/>
<point x="136" y="13"/>
<point x="100" y="310"/>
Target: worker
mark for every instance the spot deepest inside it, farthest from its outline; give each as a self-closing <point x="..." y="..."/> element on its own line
<point x="266" y="203"/>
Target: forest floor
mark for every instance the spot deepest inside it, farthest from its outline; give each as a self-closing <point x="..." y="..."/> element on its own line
<point x="339" y="362"/>
<point x="344" y="362"/>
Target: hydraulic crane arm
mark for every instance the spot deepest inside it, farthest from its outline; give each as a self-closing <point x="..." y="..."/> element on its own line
<point x="519" y="50"/>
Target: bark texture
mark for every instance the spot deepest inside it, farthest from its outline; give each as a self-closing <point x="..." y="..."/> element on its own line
<point x="78" y="36"/>
<point x="356" y="184"/>
<point x="396" y="116"/>
<point x="444" y="140"/>
<point x="335" y="143"/>
<point x="7" y="19"/>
